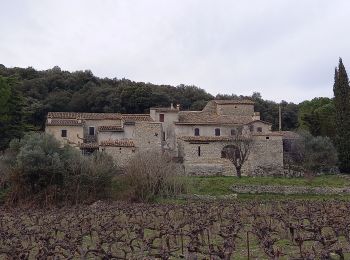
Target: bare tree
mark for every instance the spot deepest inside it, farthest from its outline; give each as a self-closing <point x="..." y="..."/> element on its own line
<point x="238" y="151"/>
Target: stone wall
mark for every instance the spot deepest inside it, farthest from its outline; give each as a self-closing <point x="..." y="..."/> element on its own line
<point x="253" y="189"/>
<point x="266" y="155"/>
<point x="148" y="135"/>
<point x="209" y="162"/>
<point x="121" y="155"/>
<point x="145" y="135"/>
<point x="73" y="134"/>
<point x="128" y="133"/>
<point x="264" y="127"/>
<point x="170" y="116"/>
<point x="225" y="130"/>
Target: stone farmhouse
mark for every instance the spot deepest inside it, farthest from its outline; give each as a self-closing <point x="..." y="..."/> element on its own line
<point x="196" y="138"/>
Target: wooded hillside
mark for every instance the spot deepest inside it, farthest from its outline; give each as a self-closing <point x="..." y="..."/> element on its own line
<point x="81" y="91"/>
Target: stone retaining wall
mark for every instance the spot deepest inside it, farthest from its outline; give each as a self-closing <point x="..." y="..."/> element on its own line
<point x="277" y="189"/>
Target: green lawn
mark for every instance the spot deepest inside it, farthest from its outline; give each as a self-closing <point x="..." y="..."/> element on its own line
<point x="218" y="186"/>
<point x="221" y="185"/>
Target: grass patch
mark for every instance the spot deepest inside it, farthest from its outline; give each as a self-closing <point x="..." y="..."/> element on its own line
<point x="220" y="185"/>
<point x="281" y="197"/>
<point x="214" y="185"/>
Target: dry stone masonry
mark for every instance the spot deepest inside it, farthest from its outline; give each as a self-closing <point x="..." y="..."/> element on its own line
<point x="195" y="138"/>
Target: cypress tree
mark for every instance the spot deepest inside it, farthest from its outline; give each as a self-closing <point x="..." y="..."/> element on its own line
<point x="341" y="91"/>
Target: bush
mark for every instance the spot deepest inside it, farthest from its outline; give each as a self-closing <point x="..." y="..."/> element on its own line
<point x="41" y="170"/>
<point x="314" y="154"/>
<point x="152" y="174"/>
<point x="320" y="154"/>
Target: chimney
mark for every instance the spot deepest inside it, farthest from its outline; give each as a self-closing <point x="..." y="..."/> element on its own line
<point x="178" y="106"/>
<point x="172" y="106"/>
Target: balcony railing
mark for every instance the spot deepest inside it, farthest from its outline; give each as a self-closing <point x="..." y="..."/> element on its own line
<point x="90" y="138"/>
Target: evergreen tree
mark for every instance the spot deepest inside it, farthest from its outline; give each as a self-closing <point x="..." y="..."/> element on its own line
<point x="341" y="91"/>
<point x="11" y="112"/>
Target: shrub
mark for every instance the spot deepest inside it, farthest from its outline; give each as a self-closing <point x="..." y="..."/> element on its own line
<point x="314" y="154"/>
<point x="44" y="171"/>
<point x="152" y="174"/>
<point x="319" y="153"/>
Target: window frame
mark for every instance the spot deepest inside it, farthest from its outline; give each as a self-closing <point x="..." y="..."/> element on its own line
<point x="196" y="132"/>
<point x="92" y="127"/>
<point x="65" y="133"/>
<point x="161" y="117"/>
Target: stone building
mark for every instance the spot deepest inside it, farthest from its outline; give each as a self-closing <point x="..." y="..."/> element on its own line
<point x="121" y="135"/>
<point x="196" y="138"/>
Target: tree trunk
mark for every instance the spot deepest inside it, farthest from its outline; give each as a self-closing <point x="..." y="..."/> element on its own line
<point x="239" y="173"/>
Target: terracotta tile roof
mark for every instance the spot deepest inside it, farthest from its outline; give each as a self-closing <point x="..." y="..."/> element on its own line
<point x="234" y="101"/>
<point x="110" y="128"/>
<point x="165" y="109"/>
<point x="118" y="143"/>
<point x="205" y="138"/>
<point x="89" y="145"/>
<point x="268" y="134"/>
<point x="136" y="117"/>
<point x="200" y="117"/>
<point x="86" y="116"/>
<point x="64" y="122"/>
<point x="265" y="122"/>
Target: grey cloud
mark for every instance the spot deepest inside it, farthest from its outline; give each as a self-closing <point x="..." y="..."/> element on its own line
<point x="283" y="49"/>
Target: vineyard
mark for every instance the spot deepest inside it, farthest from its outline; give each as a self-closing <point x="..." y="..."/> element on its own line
<point x="201" y="230"/>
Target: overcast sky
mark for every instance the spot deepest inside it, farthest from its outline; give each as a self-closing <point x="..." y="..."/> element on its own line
<point x="284" y="49"/>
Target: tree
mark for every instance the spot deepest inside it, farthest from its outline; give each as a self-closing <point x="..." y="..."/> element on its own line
<point x="238" y="150"/>
<point x="317" y="116"/>
<point x="341" y="91"/>
<point x="319" y="153"/>
<point x="45" y="172"/>
<point x="11" y="111"/>
<point x="150" y="174"/>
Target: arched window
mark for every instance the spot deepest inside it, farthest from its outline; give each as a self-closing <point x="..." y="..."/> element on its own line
<point x="217" y="131"/>
<point x="233" y="132"/>
<point x="196" y="131"/>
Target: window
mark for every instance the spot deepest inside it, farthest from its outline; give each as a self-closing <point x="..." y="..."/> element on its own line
<point x="91" y="130"/>
<point x="217" y="131"/>
<point x="199" y="151"/>
<point x="259" y="129"/>
<point x="161" y="117"/>
<point x="63" y="133"/>
<point x="163" y="136"/>
<point x="267" y="137"/>
<point x="196" y="131"/>
<point x="251" y="128"/>
<point x="233" y="131"/>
